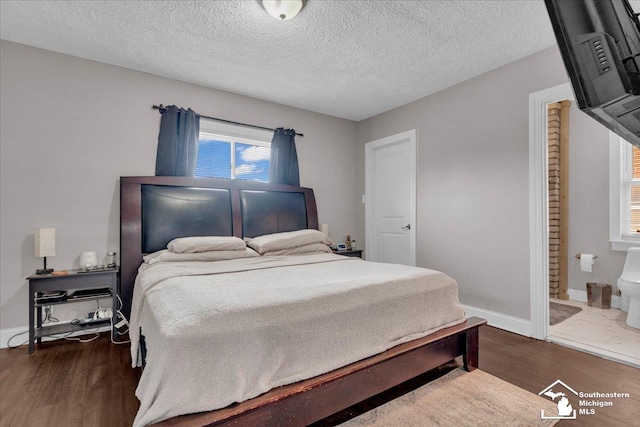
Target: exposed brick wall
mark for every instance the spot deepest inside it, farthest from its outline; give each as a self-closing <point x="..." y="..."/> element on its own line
<point x="558" y="137"/>
<point x="553" y="130"/>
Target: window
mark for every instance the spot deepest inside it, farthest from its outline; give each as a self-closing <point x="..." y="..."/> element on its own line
<point x="234" y="152"/>
<point x="630" y="207"/>
<point x="624" y="193"/>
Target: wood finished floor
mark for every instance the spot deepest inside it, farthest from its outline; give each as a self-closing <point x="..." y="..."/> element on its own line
<point x="92" y="384"/>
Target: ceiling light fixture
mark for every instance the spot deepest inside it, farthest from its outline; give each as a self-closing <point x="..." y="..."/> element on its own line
<point x="283" y="9"/>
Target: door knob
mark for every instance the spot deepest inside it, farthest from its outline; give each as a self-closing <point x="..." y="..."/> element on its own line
<point x="407" y="227"/>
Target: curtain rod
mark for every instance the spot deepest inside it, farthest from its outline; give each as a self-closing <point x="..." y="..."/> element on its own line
<point x="161" y="108"/>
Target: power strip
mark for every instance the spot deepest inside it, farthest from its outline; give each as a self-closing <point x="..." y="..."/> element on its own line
<point x="103" y="313"/>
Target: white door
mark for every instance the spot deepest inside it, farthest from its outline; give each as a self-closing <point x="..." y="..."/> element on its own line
<point x="390" y="197"/>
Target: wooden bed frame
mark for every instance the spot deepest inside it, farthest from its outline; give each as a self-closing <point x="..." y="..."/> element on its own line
<point x="259" y="208"/>
<point x="231" y="220"/>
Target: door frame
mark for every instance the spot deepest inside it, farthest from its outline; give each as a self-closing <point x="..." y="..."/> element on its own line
<point x="538" y="205"/>
<point x="409" y="137"/>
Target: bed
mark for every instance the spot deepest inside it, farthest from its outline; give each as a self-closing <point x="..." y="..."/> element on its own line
<point x="201" y="361"/>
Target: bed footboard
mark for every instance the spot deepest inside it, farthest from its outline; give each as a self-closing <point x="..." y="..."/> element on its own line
<point x="311" y="400"/>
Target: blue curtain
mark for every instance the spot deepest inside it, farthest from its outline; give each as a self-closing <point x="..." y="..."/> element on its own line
<point x="177" y="142"/>
<point x="283" y="168"/>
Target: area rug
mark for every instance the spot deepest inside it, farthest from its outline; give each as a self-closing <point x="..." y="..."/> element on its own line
<point x="561" y="312"/>
<point x="460" y="398"/>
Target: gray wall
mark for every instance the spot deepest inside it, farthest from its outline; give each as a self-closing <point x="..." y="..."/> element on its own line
<point x="71" y="127"/>
<point x="473" y="157"/>
<point x="589" y="202"/>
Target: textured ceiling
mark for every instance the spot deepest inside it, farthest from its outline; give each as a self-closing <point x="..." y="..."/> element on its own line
<point x="350" y="59"/>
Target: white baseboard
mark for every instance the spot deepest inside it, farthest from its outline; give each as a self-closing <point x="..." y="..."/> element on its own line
<point x="502" y="321"/>
<point x="6" y="334"/>
<point x="581" y="296"/>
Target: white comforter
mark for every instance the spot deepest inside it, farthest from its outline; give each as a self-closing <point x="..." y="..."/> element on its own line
<point x="227" y="331"/>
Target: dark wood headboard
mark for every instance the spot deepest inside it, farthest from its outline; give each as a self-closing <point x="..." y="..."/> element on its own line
<point x="157" y="209"/>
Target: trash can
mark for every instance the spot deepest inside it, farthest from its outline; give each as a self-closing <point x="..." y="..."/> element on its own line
<point x="599" y="295"/>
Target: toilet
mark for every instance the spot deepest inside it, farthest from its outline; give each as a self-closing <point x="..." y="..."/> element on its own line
<point x="629" y="285"/>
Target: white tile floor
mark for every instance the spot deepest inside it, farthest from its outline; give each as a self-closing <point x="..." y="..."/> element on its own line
<point x="602" y="332"/>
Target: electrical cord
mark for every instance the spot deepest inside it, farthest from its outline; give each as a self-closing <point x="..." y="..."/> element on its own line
<point x="115" y="327"/>
<point x="54" y="337"/>
<point x="19" y="345"/>
<point x="48" y="318"/>
<point x="95" y="332"/>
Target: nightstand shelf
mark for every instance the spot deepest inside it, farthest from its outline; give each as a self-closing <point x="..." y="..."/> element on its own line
<point x="355" y="253"/>
<point x="65" y="328"/>
<point x="104" y="282"/>
<point x="67" y="300"/>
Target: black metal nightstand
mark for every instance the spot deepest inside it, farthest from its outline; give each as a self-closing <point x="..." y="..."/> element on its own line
<point x="355" y="253"/>
<point x="104" y="282"/>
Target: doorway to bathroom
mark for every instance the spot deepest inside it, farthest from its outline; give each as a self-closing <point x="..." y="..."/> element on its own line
<point x="581" y="197"/>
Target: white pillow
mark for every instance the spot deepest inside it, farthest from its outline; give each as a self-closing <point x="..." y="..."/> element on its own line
<point x="305" y="249"/>
<point x="287" y="240"/>
<point x="190" y="245"/>
<point x="168" y="256"/>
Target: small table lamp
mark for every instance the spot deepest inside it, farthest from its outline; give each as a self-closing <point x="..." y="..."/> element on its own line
<point x="45" y="245"/>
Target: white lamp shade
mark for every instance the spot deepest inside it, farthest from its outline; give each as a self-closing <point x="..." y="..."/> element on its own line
<point x="283" y="9"/>
<point x="44" y="242"/>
